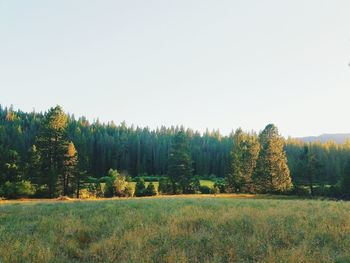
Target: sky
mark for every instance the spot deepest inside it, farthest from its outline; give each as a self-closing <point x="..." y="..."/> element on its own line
<point x="203" y="64"/>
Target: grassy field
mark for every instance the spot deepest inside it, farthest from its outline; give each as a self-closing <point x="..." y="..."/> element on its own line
<point x="176" y="229"/>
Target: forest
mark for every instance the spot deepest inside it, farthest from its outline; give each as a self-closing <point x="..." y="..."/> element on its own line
<point x="53" y="153"/>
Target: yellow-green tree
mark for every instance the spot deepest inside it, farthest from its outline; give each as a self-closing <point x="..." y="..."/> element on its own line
<point x="272" y="172"/>
<point x="244" y="156"/>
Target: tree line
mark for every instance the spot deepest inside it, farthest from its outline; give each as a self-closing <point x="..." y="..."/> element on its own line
<point x="52" y="153"/>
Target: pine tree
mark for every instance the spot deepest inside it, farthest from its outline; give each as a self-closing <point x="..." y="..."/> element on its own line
<point x="33" y="170"/>
<point x="70" y="169"/>
<point x="151" y="190"/>
<point x="140" y="188"/>
<point x="52" y="145"/>
<point x="180" y="164"/>
<point x="272" y="172"/>
<point x="345" y="181"/>
<point x="310" y="167"/>
<point x="244" y="156"/>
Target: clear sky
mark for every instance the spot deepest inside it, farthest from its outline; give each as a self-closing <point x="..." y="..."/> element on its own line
<point x="203" y="64"/>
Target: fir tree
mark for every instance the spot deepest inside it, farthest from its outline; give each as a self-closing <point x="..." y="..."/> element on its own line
<point x="272" y="172"/>
<point x="180" y="164"/>
<point x="150" y="190"/>
<point x="244" y="156"/>
<point x="52" y="145"/>
<point x="140" y="188"/>
<point x="70" y="168"/>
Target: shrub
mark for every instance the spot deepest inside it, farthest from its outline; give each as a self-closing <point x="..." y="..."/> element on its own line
<point x="42" y="191"/>
<point x="9" y="190"/>
<point x="220" y="184"/>
<point x="115" y="184"/>
<point x="205" y="189"/>
<point x="17" y="189"/>
<point x="129" y="191"/>
<point x="216" y="190"/>
<point x="299" y="190"/>
<point x="140" y="188"/>
<point x="193" y="186"/>
<point x="151" y="190"/>
<point x="165" y="186"/>
<point x="25" y="189"/>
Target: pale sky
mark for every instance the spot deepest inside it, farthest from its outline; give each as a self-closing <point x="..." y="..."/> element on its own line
<point x="203" y="64"/>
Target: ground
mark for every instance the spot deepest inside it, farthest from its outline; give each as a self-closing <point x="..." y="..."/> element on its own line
<point x="221" y="228"/>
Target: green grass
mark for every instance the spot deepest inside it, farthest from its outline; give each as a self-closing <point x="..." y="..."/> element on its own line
<point x="208" y="183"/>
<point x="176" y="230"/>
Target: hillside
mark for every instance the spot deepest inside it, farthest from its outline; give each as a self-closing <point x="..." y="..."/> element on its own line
<point x="337" y="137"/>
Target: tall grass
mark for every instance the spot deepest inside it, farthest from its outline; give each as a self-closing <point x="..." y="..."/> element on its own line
<point x="176" y="230"/>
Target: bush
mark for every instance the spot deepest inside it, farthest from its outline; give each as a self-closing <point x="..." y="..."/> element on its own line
<point x="115" y="184"/>
<point x="9" y="190"/>
<point x="165" y="186"/>
<point x="150" y="190"/>
<point x="129" y="191"/>
<point x="25" y="189"/>
<point x="205" y="189"/>
<point x="193" y="186"/>
<point x="17" y="189"/>
<point x="220" y="184"/>
<point x="299" y="190"/>
<point x="140" y="188"/>
<point x="216" y="190"/>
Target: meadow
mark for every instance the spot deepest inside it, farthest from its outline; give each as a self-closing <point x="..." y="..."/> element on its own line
<point x="175" y="229"/>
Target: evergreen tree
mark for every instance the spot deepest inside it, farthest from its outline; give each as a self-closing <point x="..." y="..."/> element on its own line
<point x="140" y="188"/>
<point x="244" y="156"/>
<point x="33" y="170"/>
<point x="180" y="164"/>
<point x="165" y="186"/>
<point x="52" y="145"/>
<point x="150" y="190"/>
<point x="70" y="169"/>
<point x="272" y="172"/>
<point x="310" y="167"/>
<point x="345" y="182"/>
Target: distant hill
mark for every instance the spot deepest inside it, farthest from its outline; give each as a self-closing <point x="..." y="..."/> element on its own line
<point x="338" y="138"/>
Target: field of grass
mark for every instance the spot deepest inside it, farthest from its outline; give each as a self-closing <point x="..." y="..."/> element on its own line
<point x="175" y="229"/>
<point x="208" y="183"/>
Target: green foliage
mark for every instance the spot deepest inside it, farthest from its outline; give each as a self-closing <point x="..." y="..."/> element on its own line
<point x="272" y="173"/>
<point x="180" y="165"/>
<point x="165" y="186"/>
<point x="147" y="178"/>
<point x="116" y="184"/>
<point x="150" y="190"/>
<point x="140" y="188"/>
<point x="52" y="145"/>
<point x="244" y="157"/>
<point x="345" y="182"/>
<point x="205" y="189"/>
<point x="129" y="191"/>
<point x="33" y="147"/>
<point x="17" y="189"/>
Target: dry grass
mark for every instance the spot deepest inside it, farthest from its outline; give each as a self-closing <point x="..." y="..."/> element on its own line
<point x="176" y="229"/>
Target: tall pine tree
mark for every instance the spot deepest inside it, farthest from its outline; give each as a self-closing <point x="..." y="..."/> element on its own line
<point x="244" y="156"/>
<point x="52" y="145"/>
<point x="272" y="172"/>
<point x="180" y="164"/>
